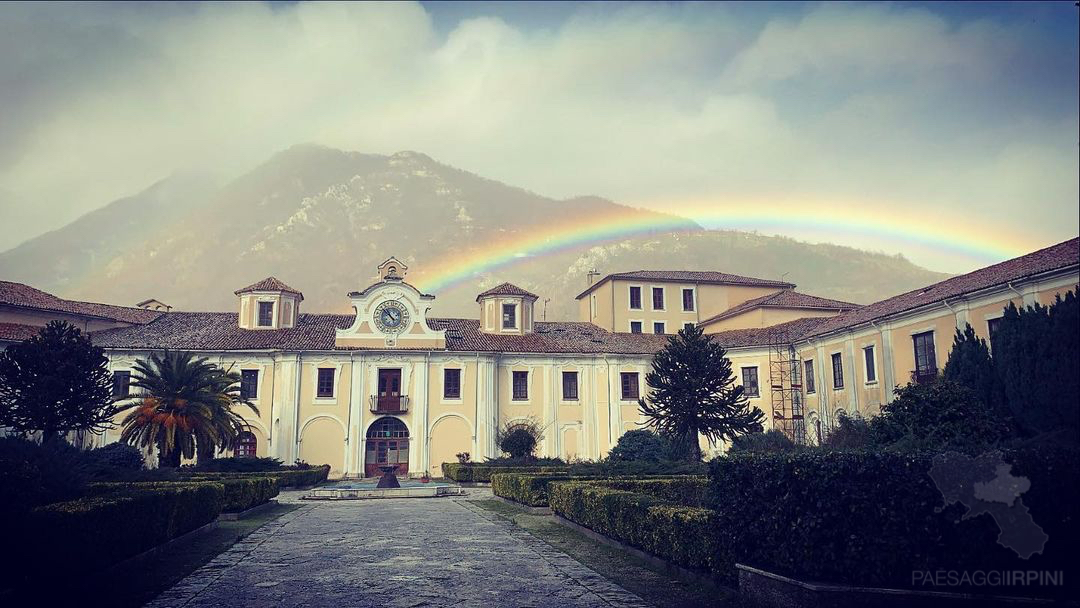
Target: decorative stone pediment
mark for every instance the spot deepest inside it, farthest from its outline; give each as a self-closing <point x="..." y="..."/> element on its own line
<point x="391" y="314"/>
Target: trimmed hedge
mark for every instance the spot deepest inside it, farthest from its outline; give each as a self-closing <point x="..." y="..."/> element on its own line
<point x="473" y="472"/>
<point x="240" y="494"/>
<point x="287" y="478"/>
<point x="532" y="489"/>
<point x="96" y="531"/>
<point x="872" y="519"/>
<point x="673" y="532"/>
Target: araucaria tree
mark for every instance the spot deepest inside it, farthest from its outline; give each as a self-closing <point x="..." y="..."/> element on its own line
<point x="54" y="383"/>
<point x="184" y="404"/>
<point x="692" y="392"/>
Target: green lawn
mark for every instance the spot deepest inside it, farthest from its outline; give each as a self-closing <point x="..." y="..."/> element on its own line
<point x="649" y="582"/>
<point x="139" y="581"/>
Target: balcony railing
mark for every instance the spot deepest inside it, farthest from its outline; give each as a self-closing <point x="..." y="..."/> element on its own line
<point x="389" y="405"/>
<point x="923" y="376"/>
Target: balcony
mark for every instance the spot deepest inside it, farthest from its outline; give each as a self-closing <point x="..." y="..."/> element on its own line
<point x="389" y="405"/>
<point x="924" y="376"/>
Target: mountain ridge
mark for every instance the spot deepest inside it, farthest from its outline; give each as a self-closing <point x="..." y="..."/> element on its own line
<point x="321" y="219"/>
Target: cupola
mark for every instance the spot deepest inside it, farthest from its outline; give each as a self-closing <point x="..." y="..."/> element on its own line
<point x="392" y="269"/>
<point x="269" y="304"/>
<point x="506" y="309"/>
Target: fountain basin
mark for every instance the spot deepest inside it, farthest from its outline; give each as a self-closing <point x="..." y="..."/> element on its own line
<point x="360" y="490"/>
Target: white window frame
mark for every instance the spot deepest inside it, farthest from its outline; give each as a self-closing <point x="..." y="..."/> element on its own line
<point x="662" y="324"/>
<point x="517" y="316"/>
<point x="663" y="296"/>
<point x="443" y="399"/>
<point x="562" y="393"/>
<point x="742" y="379"/>
<point x="630" y="325"/>
<point x="528" y="385"/>
<point x="813" y="376"/>
<point x="832" y="374"/>
<point x="641" y="291"/>
<point x="866" y="371"/>
<point x="273" y="313"/>
<point x="693" y="298"/>
<point x="258" y="380"/>
<point x="315" y="398"/>
<point x="629" y="399"/>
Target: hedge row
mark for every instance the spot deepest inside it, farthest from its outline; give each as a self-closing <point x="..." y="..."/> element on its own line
<point x="287" y="478"/>
<point x="874" y="518"/>
<point x="240" y="494"/>
<point x="532" y="488"/>
<point x="473" y="472"/>
<point x="96" y="531"/>
<point x="673" y="532"/>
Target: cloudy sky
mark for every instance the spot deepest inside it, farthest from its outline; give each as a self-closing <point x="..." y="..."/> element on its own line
<point x="954" y="120"/>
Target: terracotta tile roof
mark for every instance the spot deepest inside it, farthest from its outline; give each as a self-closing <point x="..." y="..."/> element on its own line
<point x="762" y="336"/>
<point x="16" y="332"/>
<point x="24" y="296"/>
<point x="783" y="299"/>
<point x="219" y="331"/>
<point x="269" y="284"/>
<point x="1056" y="257"/>
<point x="507" y="289"/>
<point x="689" y="276"/>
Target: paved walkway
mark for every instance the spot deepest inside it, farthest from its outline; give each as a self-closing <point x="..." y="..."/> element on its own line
<point x="394" y="552"/>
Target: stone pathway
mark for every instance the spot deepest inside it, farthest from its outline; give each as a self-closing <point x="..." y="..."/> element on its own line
<point x="397" y="552"/>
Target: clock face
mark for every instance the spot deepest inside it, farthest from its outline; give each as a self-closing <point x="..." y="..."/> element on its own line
<point x="391" y="317"/>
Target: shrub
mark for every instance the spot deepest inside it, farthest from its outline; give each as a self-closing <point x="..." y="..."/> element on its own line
<point x="520" y="438"/>
<point x="640" y="444"/>
<point x="32" y="475"/>
<point x="99" y="530"/>
<point x="477" y="472"/>
<point x="609" y="468"/>
<point x="240" y="493"/>
<point x="242" y="465"/>
<point x="937" y="415"/>
<point x="871" y="519"/>
<point x="532" y="489"/>
<point x="769" y="442"/>
<point x="676" y="533"/>
<point x="116" y="457"/>
<point x="286" y="478"/>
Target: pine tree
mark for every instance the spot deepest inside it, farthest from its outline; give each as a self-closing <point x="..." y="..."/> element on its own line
<point x="693" y="393"/>
<point x="970" y="365"/>
<point x="55" y="382"/>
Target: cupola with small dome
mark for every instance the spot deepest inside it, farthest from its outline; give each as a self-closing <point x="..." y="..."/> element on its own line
<point x="269" y="304"/>
<point x="506" y="309"/>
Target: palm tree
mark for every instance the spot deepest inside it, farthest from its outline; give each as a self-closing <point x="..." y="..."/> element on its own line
<point x="184" y="404"/>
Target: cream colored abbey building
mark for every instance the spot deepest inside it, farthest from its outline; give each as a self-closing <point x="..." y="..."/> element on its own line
<point x="394" y="384"/>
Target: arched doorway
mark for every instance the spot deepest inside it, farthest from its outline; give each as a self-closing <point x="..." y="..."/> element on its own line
<point x="387" y="443"/>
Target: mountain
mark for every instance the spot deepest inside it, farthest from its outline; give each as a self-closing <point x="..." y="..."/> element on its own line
<point x="321" y="220"/>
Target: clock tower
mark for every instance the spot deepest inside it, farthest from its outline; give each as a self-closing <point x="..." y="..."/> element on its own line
<point x="391" y="314"/>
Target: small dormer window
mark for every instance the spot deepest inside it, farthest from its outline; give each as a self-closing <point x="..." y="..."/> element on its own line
<point x="509" y="316"/>
<point x="266" y="314"/>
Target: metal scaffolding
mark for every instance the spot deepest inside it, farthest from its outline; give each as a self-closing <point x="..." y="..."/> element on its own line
<point x="785" y="380"/>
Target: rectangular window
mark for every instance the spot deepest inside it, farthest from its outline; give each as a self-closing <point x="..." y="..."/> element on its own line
<point x="992" y="327"/>
<point x="809" y="365"/>
<point x="750" y="382"/>
<point x="266" y="314"/>
<point x="925" y="361"/>
<point x="121" y="384"/>
<point x="688" y="300"/>
<point x="837" y="371"/>
<point x="635" y="327"/>
<point x="635" y="298"/>
<point x="658" y="328"/>
<point x="658" y="298"/>
<point x="249" y="383"/>
<point x="452" y="383"/>
<point x="569" y="386"/>
<point x="688" y="326"/>
<point x="521" y="386"/>
<point x="871" y="370"/>
<point x="325" y="387"/>
<point x="509" y="316"/>
<point x="629" y="385"/>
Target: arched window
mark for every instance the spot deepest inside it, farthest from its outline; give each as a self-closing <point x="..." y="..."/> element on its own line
<point x="385" y="428"/>
<point x="247" y="445"/>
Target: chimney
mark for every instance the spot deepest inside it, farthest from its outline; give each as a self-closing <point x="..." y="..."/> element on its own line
<point x="590" y="277"/>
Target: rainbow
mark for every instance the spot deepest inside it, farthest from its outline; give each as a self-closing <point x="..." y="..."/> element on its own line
<point x="954" y="236"/>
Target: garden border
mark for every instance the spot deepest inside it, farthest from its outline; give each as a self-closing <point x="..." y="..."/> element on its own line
<point x="266" y="506"/>
<point x="527" y="508"/>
